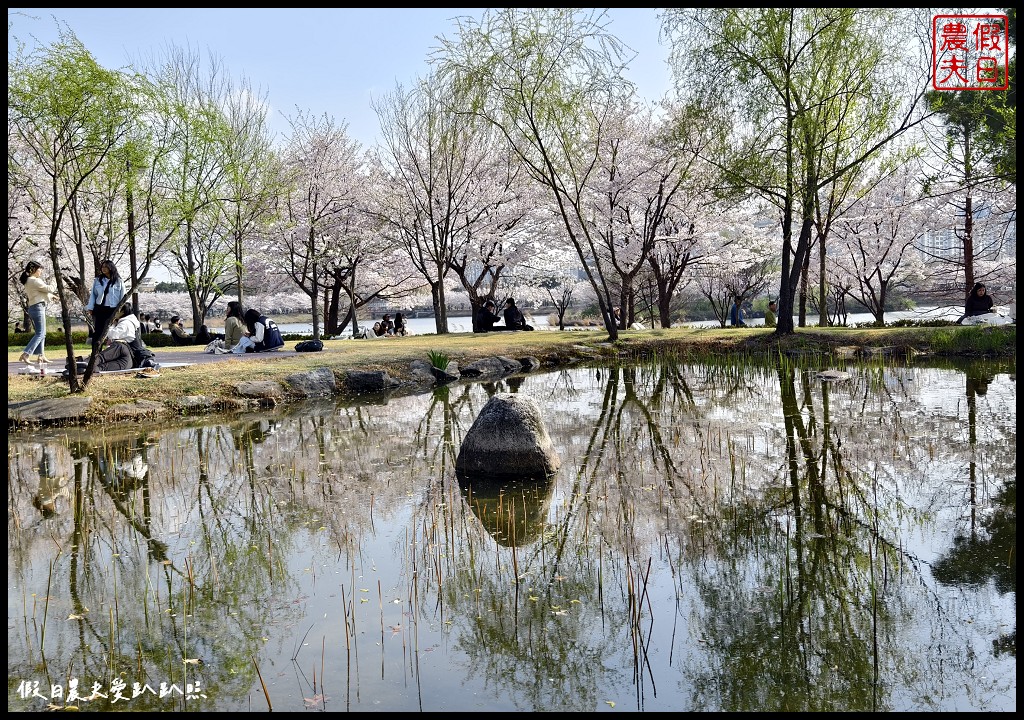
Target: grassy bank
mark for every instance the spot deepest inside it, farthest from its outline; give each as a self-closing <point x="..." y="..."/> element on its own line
<point x="216" y="380"/>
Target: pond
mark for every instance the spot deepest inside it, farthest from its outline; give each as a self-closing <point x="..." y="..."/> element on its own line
<point x="720" y="537"/>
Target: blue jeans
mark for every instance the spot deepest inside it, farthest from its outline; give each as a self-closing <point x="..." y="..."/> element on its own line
<point x="37" y="313"/>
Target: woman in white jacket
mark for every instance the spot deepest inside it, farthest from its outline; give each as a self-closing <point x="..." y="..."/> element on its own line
<point x="38" y="292"/>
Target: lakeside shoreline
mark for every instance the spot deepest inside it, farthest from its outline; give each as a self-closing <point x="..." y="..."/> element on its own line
<point x="212" y="384"/>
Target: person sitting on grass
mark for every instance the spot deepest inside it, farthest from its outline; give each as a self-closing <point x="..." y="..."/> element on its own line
<point x="261" y="334"/>
<point x="178" y="334"/>
<point x="400" y="327"/>
<point x="514" y="319"/>
<point x="488" y="316"/>
<point x="979" y="302"/>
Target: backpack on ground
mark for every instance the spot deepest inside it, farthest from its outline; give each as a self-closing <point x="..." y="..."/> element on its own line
<point x="309" y="346"/>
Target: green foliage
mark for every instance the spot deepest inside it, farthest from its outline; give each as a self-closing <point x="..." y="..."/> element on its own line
<point x="168" y="287"/>
<point x="53" y="339"/>
<point x="975" y="340"/>
<point x="157" y="339"/>
<point x="439" y="359"/>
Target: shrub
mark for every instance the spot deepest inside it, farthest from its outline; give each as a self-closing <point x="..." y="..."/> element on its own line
<point x="53" y="339"/>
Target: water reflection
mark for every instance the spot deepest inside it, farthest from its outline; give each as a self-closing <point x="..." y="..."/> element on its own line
<point x="721" y="537"/>
<point x="513" y="512"/>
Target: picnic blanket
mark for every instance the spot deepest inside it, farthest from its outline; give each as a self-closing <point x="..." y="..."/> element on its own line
<point x="50" y="371"/>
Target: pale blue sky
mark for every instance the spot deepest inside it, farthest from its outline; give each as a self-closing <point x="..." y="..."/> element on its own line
<point x="324" y="61"/>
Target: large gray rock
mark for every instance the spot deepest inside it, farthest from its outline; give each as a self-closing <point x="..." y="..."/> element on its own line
<point x="318" y="382"/>
<point x="368" y="381"/>
<point x="49" y="410"/>
<point x="259" y="389"/>
<point x="488" y="367"/>
<point x="137" y="410"/>
<point x="508" y="439"/>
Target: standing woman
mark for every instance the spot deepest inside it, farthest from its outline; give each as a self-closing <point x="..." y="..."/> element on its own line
<point x="107" y="291"/>
<point x="38" y="292"/>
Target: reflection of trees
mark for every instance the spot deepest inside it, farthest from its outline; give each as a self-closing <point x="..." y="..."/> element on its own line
<point x="738" y="536"/>
<point x="136" y="605"/>
<point x="534" y="617"/>
<point x="810" y="598"/>
<point x="986" y="553"/>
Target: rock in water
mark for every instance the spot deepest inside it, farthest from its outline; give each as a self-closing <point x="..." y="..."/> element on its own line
<point x="508" y="439"/>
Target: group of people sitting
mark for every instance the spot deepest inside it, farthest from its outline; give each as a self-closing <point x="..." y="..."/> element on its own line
<point x="245" y="331"/>
<point x="386" y="327"/>
<point x="513" y="317"/>
<point x="150" y="323"/>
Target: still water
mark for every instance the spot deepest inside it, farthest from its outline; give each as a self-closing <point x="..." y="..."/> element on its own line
<point x="719" y="538"/>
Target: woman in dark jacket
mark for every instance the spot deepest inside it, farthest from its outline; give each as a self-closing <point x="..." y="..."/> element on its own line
<point x="979" y="302"/>
<point x="262" y="331"/>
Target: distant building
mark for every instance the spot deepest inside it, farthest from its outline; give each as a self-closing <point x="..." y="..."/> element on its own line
<point x="146" y="285"/>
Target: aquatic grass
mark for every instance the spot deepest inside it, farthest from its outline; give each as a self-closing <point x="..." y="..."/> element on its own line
<point x="439" y="360"/>
<point x="266" y="693"/>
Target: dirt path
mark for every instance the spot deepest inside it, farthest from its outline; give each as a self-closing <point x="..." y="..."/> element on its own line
<point x="169" y="355"/>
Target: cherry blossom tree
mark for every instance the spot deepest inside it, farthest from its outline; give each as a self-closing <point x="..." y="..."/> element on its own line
<point x="554" y="269"/>
<point x="877" y="240"/>
<point x="452" y="195"/>
<point x="739" y="260"/>
<point x="550" y="81"/>
<point x="323" y="170"/>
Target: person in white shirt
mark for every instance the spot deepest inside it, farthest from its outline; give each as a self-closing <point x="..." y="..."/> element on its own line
<point x="38" y="292"/>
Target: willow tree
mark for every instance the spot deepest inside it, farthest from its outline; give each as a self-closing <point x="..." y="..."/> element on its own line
<point x="249" y="184"/>
<point x="549" y="80"/>
<point x="195" y="172"/>
<point x="71" y="114"/>
<point x="788" y="76"/>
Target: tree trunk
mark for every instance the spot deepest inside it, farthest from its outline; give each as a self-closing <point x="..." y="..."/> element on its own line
<point x="822" y="307"/>
<point x="968" y="240"/>
<point x="440" y="316"/>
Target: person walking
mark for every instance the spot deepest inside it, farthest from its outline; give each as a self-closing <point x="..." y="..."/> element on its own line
<point x="736" y="313"/>
<point x="38" y="292"/>
<point x="107" y="292"/>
